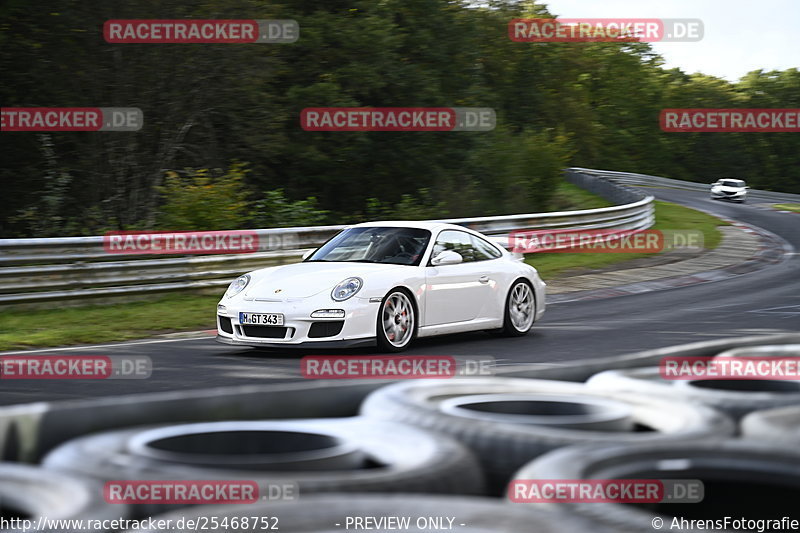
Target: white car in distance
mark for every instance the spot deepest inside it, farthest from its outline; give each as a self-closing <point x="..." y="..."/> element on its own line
<point x="729" y="189"/>
<point x="384" y="283"/>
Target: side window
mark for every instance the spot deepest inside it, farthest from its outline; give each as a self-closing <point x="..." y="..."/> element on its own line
<point x="483" y="250"/>
<point x="471" y="248"/>
<point x="457" y="241"/>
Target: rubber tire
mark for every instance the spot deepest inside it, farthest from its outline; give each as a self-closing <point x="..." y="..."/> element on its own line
<point x="504" y="447"/>
<point x="508" y="330"/>
<point x="780" y="426"/>
<point x="416" y="460"/>
<point x="647" y="380"/>
<point x="36" y="492"/>
<point x="771" y="350"/>
<point x="383" y="343"/>
<point x="320" y="513"/>
<point x="754" y="462"/>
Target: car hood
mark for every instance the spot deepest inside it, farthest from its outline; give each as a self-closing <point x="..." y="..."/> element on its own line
<point x="301" y="280"/>
<point x="725" y="188"/>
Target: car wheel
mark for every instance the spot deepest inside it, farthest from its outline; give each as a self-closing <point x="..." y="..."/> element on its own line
<point x="520" y="309"/>
<point x="397" y="322"/>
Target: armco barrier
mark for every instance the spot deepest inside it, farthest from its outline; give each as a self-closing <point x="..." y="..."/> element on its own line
<point x="76" y="270"/>
<point x="630" y="178"/>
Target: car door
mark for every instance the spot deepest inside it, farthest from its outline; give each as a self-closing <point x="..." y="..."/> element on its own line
<point x="457" y="292"/>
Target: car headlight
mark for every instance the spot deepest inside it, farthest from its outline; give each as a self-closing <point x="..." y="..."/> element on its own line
<point x="346" y="289"/>
<point x="237" y="285"/>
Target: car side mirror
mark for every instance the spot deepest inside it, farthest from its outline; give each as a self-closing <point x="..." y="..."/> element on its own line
<point x="308" y="253"/>
<point x="447" y="257"/>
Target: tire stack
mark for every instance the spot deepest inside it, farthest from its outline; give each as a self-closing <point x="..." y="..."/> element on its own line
<point x="317" y="455"/>
<point x="508" y="422"/>
<point x="445" y="452"/>
<point x="31" y="492"/>
<point x="737" y="398"/>
<point x="753" y="480"/>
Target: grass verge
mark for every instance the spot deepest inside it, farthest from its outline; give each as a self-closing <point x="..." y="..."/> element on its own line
<point x="569" y="197"/>
<point x="105" y="323"/>
<point x="668" y="217"/>
<point x="787" y="207"/>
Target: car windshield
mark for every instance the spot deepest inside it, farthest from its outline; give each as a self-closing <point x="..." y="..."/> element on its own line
<point x="732" y="183"/>
<point x="388" y="245"/>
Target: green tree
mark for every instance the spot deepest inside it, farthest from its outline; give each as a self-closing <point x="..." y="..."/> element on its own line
<point x="198" y="199"/>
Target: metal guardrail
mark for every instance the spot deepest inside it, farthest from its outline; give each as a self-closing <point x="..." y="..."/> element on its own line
<point x="629" y="178"/>
<point x="77" y="270"/>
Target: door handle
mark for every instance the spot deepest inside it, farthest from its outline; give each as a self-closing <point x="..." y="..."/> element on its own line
<point x="484" y="279"/>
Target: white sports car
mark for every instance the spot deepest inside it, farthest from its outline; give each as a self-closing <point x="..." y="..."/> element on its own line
<point x="384" y="282"/>
<point x="729" y="189"/>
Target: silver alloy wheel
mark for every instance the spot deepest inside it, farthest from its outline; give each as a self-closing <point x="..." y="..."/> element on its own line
<point x="520" y="306"/>
<point x="397" y="318"/>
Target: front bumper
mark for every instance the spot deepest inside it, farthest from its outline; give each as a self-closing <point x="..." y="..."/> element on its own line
<point x="351" y="343"/>
<point x="299" y="329"/>
<point x="723" y="196"/>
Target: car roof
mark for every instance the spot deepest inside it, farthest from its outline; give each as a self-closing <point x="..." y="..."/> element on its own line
<point x="431" y="225"/>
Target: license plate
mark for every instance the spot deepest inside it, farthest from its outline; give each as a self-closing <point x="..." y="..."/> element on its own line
<point x="261" y="319"/>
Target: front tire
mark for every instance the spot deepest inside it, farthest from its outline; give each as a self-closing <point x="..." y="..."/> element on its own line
<point x="397" y="322"/>
<point x="520" y="309"/>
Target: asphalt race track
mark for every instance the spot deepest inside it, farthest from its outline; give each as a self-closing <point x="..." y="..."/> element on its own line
<point x="762" y="302"/>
